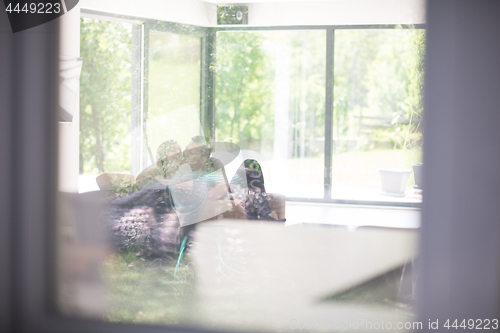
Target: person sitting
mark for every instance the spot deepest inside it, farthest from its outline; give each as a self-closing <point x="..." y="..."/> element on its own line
<point x="256" y="202"/>
<point x="168" y="160"/>
<point x="146" y="217"/>
<point x="246" y="188"/>
<point x="202" y="191"/>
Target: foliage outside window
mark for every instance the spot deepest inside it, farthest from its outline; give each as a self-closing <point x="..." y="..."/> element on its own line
<point x="377" y="106"/>
<point x="105" y="96"/>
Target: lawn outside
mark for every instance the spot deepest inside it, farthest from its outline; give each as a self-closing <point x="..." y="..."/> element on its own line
<point x="355" y="174"/>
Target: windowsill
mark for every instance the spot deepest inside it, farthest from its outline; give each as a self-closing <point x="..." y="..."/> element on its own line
<point x="375" y="195"/>
<point x="350" y="195"/>
<point x="351" y="216"/>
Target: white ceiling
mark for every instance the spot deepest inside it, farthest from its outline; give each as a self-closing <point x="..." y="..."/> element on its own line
<point x="260" y="1"/>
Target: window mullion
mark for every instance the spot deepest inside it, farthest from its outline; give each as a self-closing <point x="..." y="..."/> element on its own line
<point x="330" y="39"/>
<point x="208" y="84"/>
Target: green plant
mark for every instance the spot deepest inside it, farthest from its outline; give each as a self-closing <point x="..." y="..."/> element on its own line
<point x="413" y="104"/>
<point x="410" y="136"/>
<point x="122" y="190"/>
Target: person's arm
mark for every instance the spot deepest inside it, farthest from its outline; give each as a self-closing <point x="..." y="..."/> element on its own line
<point x="218" y="165"/>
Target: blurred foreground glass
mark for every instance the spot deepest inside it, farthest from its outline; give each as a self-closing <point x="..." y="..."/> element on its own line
<point x="193" y="237"/>
<point x="244" y="275"/>
<point x="378" y="110"/>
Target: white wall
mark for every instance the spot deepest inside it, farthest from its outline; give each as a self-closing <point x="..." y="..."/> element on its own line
<point x="272" y="13"/>
<point x="69" y="133"/>
<point x="349" y="12"/>
<point x="182" y="11"/>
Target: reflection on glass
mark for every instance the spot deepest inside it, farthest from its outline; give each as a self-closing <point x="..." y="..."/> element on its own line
<point x="202" y="235"/>
<point x="378" y="81"/>
<point x="270" y="89"/>
<point x="241" y="275"/>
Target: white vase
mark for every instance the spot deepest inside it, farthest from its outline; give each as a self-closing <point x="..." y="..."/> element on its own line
<point x="394" y="181"/>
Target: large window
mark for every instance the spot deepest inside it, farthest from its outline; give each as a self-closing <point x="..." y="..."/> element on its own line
<point x="321" y="128"/>
<point x="272" y="89"/>
<point x="178" y="124"/>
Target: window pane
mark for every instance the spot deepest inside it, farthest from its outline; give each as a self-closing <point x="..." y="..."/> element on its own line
<point x="174" y="73"/>
<point x="378" y="80"/>
<point x="105" y="99"/>
<point x="270" y="100"/>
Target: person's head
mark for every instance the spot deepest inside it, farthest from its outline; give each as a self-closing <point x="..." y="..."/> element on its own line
<point x="168" y="157"/>
<point x="197" y="152"/>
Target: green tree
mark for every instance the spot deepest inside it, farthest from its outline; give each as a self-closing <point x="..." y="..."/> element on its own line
<point x="245" y="93"/>
<point x="105" y="96"/>
<point x="378" y="73"/>
<point x="415" y="74"/>
<point x="240" y="97"/>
